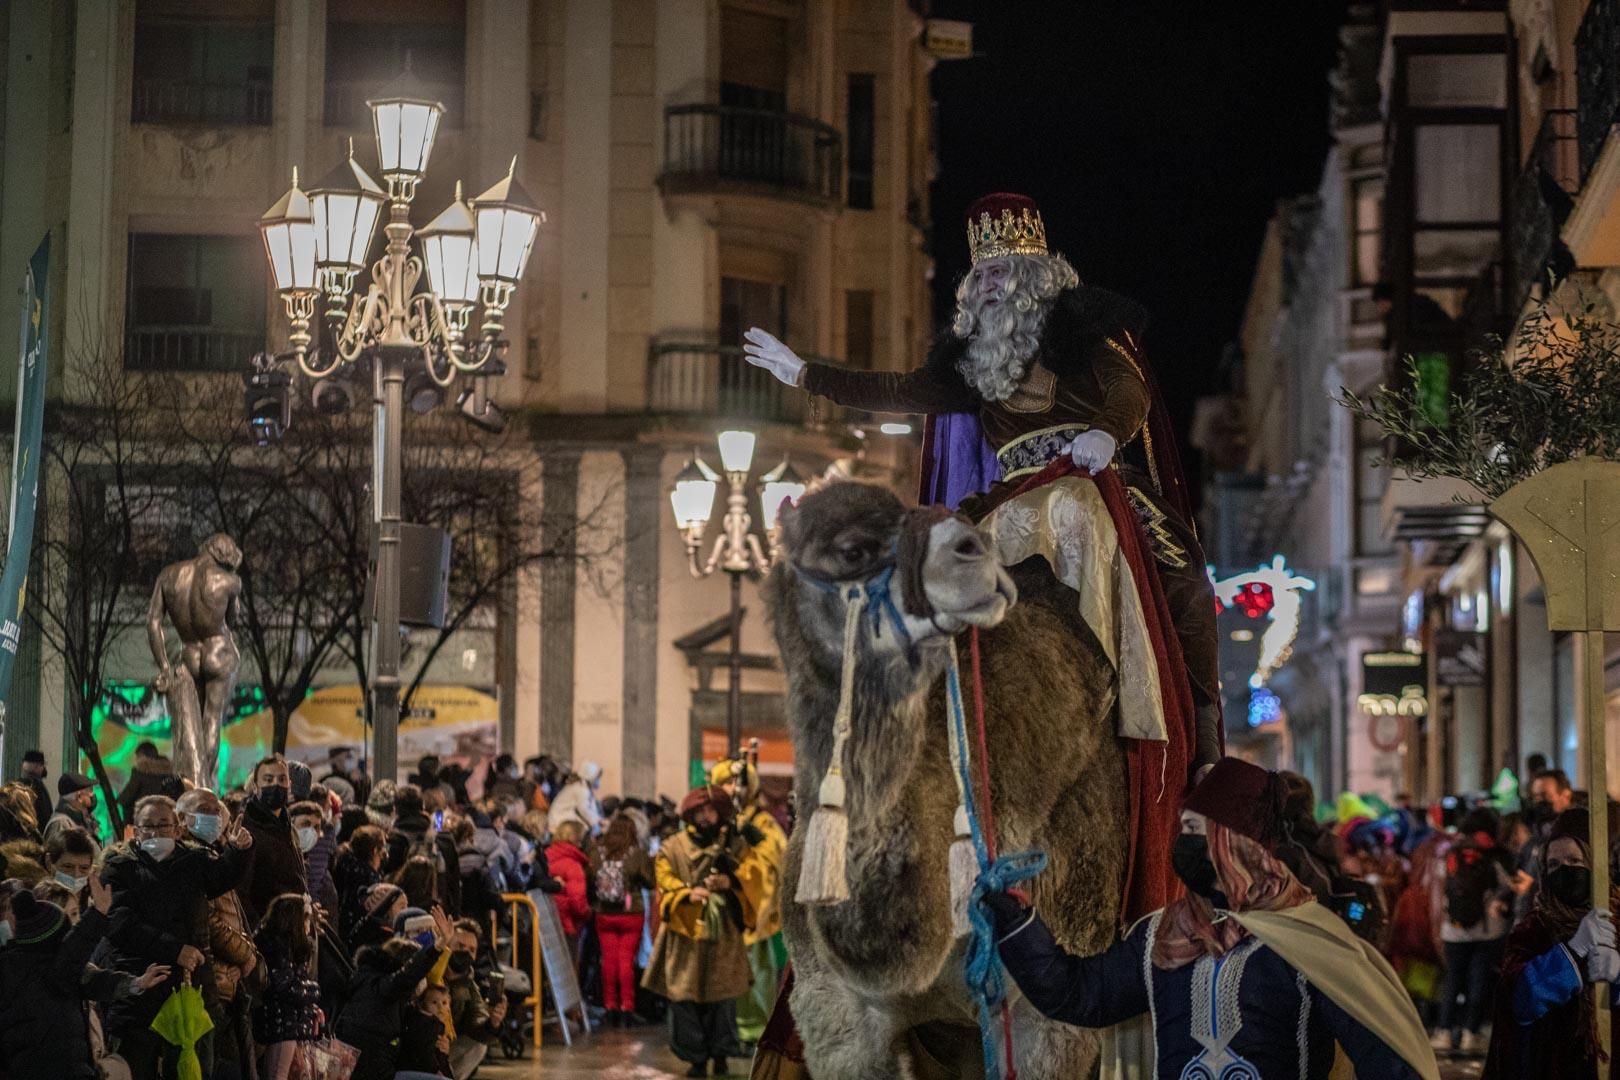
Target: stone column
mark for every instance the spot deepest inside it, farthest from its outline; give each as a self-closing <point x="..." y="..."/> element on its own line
<point x="559" y="518"/>
<point x="642" y="516"/>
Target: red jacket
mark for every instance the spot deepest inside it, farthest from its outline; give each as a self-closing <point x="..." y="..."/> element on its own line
<point x="570" y="866"/>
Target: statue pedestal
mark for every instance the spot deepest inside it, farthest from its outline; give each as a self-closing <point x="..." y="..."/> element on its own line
<point x="1567" y="517"/>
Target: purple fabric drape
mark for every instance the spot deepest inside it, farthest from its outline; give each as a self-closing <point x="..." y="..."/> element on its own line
<point x="957" y="461"/>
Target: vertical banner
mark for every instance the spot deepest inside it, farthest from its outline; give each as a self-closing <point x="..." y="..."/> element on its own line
<point x="24" y="462"/>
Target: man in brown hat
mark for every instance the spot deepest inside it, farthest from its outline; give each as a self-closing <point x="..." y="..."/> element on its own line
<point x="700" y="963"/>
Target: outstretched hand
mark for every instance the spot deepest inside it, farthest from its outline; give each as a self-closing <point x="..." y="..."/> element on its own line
<point x="154" y="975"/>
<point x="764" y="350"/>
<point x="100" y="893"/>
<point x="442" y="928"/>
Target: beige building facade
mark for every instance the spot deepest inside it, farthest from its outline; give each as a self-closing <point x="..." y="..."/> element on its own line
<point x="704" y="165"/>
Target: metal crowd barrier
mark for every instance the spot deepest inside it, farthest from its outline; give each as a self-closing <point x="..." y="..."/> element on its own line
<point x="513" y="901"/>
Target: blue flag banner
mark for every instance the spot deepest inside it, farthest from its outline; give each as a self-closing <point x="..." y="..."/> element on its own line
<point x="24" y="461"/>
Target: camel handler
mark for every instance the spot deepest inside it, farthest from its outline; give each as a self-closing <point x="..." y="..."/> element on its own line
<point x="760" y="876"/>
<point x="1246" y="975"/>
<point x="700" y="962"/>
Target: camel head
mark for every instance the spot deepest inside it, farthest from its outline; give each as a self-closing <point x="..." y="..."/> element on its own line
<point x="927" y="573"/>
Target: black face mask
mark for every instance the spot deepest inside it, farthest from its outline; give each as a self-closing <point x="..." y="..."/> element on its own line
<point x="1541" y="811"/>
<point x="704" y="834"/>
<point x="1189" y="857"/>
<point x="273" y="797"/>
<point x="461" y="962"/>
<point x="1571" y="886"/>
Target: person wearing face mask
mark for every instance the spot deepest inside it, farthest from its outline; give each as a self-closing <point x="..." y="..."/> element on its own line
<point x="278" y="865"/>
<point x="475" y="1021"/>
<point x="235" y="962"/>
<point x="75" y="806"/>
<point x="1544" y="1024"/>
<point x="699" y="962"/>
<point x="33" y="774"/>
<point x="317" y="842"/>
<point x="1279" y="979"/>
<point x="69" y="856"/>
<point x="162" y="889"/>
<point x="344" y="764"/>
<point x="1550" y="794"/>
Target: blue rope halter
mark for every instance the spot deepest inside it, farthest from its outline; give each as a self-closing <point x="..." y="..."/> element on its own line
<point x="985" y="977"/>
<point x="879" y="592"/>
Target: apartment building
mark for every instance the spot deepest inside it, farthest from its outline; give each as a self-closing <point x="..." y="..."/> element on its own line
<point x="704" y="165"/>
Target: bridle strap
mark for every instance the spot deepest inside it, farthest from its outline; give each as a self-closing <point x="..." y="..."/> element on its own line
<point x="878" y="591"/>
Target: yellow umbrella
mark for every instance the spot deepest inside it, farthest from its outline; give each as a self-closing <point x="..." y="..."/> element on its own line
<point x="182" y="1021"/>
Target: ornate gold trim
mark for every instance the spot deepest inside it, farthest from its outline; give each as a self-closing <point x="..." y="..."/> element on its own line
<point x="1039" y="433"/>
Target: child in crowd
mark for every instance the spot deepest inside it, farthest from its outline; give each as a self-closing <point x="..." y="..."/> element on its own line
<point x="424" y="1039"/>
<point x="288" y="1011"/>
<point x="385" y="978"/>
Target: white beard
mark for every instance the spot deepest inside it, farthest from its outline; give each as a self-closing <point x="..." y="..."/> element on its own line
<point x="1002" y="342"/>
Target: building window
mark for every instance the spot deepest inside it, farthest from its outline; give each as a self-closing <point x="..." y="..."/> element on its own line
<point x="1367" y="211"/>
<point x="744" y="303"/>
<point x="368" y="46"/>
<point x="860" y="325"/>
<point x="201" y="71"/>
<point x="195" y="303"/>
<point x="1370" y="481"/>
<point x="861" y="130"/>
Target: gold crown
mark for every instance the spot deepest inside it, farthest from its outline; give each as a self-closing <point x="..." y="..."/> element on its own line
<point x="992" y="238"/>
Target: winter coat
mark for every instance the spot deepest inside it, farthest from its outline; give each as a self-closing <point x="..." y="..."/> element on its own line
<point x="481" y="884"/>
<point x="67" y="816"/>
<point x="230" y="943"/>
<point x="150" y="776"/>
<point x="352" y="876"/>
<point x="278" y="865"/>
<point x="469" y="1012"/>
<point x="159" y="907"/>
<point x="44" y="1026"/>
<point x="575" y="802"/>
<point x="696" y="958"/>
<point x="573" y="867"/>
<point x="371" y="1021"/>
<point x="414" y="834"/>
<point x="636" y="872"/>
<point x="318" y="866"/>
<point x="419" y="1044"/>
<point x="288" y="1008"/>
<point x="42" y="800"/>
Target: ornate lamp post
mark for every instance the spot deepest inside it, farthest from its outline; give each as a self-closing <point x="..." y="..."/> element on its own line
<point x="474" y="254"/>
<point x="736" y="550"/>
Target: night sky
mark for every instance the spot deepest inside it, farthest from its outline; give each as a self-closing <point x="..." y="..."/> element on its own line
<point x="1157" y="137"/>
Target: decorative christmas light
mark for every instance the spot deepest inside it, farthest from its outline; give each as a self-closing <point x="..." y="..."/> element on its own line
<point x="1270" y="591"/>
<point x="1264" y="707"/>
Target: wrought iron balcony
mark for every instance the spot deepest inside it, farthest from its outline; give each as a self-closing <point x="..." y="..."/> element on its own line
<point x="690" y="379"/>
<point x="1597" y="75"/>
<point x="346" y="101"/>
<point x="710" y="148"/>
<point x="1542" y="196"/>
<point x="189" y="348"/>
<point x="193" y="101"/>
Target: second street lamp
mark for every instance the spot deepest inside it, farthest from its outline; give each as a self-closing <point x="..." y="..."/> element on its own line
<point x="736" y="550"/>
<point x="318" y="243"/>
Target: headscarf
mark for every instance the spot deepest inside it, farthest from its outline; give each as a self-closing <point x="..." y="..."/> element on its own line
<point x="1251" y="878"/>
<point x="1565" y="1039"/>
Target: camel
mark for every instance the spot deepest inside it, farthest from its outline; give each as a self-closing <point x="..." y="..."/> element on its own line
<point x="879" y="977"/>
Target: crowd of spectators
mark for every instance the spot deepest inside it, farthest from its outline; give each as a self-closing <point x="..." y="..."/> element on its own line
<point x="316" y="913"/>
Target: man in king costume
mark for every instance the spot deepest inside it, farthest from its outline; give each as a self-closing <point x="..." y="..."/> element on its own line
<point x="759" y="876"/>
<point x="1032" y="369"/>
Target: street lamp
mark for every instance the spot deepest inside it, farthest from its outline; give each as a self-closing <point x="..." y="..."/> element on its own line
<point x="318" y="244"/>
<point x="736" y="550"/>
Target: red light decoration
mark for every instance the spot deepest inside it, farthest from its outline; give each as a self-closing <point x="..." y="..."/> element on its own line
<point x="1254" y="599"/>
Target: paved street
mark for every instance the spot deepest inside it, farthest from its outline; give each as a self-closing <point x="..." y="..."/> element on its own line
<point x="642" y="1054"/>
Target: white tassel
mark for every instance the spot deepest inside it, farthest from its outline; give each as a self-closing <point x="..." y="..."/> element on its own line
<point x="824" y="871"/>
<point x="964" y="862"/>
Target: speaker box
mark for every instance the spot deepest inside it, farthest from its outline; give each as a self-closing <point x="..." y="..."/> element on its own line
<point x="424" y="575"/>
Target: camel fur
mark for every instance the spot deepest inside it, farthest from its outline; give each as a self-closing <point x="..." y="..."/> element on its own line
<point x="879" y="977"/>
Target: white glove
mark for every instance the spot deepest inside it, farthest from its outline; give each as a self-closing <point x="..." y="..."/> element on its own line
<point x="1093" y="450"/>
<point x="765" y="351"/>
<point x="1595" y="932"/>
<point x="1603" y="965"/>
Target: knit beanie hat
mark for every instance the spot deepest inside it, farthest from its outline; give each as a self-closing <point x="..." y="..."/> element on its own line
<point x="36" y="920"/>
<point x="1243" y="797"/>
<point x="381" y="896"/>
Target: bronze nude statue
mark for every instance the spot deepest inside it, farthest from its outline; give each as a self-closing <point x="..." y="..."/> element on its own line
<point x="200" y="597"/>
